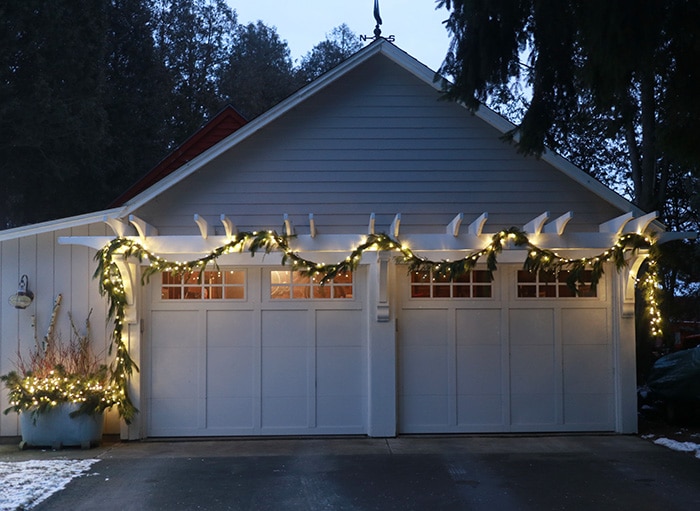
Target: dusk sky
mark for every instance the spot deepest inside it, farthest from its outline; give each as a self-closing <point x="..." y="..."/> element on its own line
<point x="416" y="24"/>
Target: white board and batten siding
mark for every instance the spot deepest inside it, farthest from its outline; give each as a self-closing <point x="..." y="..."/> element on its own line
<point x="51" y="269"/>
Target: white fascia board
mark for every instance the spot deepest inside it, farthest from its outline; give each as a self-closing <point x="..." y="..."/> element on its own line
<point x="57" y="225"/>
<point x="410" y="64"/>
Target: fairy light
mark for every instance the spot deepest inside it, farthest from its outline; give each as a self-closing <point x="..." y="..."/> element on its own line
<point x="112" y="284"/>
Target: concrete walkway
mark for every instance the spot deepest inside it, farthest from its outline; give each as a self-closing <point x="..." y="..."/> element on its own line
<point x="586" y="472"/>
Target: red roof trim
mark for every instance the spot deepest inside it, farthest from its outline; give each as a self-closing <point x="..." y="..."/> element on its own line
<point x="221" y="126"/>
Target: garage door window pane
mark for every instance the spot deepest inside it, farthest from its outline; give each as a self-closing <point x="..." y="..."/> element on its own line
<point x="211" y="285"/>
<point x="236" y="278"/>
<point x="475" y="284"/>
<point x="544" y="284"/>
<point x="482" y="291"/>
<point x="442" y="291"/>
<point x="289" y="284"/>
<point x="462" y="291"/>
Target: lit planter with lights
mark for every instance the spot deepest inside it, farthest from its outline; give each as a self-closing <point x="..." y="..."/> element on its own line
<point x="60" y="409"/>
<point x="60" y="391"/>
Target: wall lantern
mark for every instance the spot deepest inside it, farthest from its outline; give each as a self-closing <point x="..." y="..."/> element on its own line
<point x="24" y="296"/>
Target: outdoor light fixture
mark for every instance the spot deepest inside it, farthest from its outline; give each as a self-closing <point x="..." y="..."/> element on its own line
<point x="24" y="296"/>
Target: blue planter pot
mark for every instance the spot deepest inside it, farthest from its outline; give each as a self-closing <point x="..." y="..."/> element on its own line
<point x="56" y="428"/>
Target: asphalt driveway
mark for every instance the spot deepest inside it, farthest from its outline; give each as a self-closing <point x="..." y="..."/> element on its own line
<point x="586" y="472"/>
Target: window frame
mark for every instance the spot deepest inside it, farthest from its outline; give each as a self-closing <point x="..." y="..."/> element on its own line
<point x="447" y="284"/>
<point x="309" y="290"/>
<point x="557" y="284"/>
<point x="204" y="291"/>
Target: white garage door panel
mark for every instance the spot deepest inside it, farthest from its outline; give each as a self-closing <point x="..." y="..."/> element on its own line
<point x="532" y="367"/>
<point x="174" y="417"/>
<point x="585" y="326"/>
<point x="423" y="366"/>
<point x="505" y="364"/>
<point x="479" y="412"/>
<point x="285" y="369"/>
<point x="590" y="412"/>
<point x="341" y="375"/>
<point x="340" y="387"/>
<point x="479" y="385"/>
<point x="479" y="367"/>
<point x="479" y="370"/>
<point x="175" y="372"/>
<point x="230" y="369"/>
<point x="257" y="366"/>
<point x="587" y="367"/>
<point x="476" y="327"/>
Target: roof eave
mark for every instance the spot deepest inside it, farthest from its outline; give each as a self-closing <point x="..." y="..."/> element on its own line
<point x="57" y="225"/>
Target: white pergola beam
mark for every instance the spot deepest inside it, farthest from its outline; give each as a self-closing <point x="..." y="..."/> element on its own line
<point x="640" y="224"/>
<point x="535" y="225"/>
<point x="453" y="226"/>
<point x="616" y="225"/>
<point x="370" y="226"/>
<point x="558" y="225"/>
<point x="395" y="225"/>
<point x="229" y="227"/>
<point x="203" y="226"/>
<point x="143" y="228"/>
<point x="477" y="225"/>
<point x="665" y="237"/>
<point x="118" y="226"/>
<point x="312" y="225"/>
<point x="288" y="226"/>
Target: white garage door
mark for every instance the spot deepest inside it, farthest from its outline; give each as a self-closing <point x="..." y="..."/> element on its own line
<point x="256" y="351"/>
<point x="518" y="354"/>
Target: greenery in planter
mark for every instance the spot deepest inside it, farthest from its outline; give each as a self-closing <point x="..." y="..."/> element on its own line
<point x="57" y="372"/>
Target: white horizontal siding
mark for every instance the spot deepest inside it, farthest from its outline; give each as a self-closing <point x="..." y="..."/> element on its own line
<point x="377" y="140"/>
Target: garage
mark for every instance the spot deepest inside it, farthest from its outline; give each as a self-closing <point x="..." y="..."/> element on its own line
<point x="504" y="356"/>
<point x="364" y="166"/>
<point x="256" y="351"/>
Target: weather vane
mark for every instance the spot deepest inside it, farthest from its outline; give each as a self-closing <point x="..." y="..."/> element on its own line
<point x="377" y="30"/>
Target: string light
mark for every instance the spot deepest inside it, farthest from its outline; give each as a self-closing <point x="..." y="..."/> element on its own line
<point x="537" y="259"/>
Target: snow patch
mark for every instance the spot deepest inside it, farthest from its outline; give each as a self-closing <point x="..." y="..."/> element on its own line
<point x="27" y="483"/>
<point x="679" y="446"/>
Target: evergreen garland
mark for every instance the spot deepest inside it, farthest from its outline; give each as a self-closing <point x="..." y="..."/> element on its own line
<point x="538" y="259"/>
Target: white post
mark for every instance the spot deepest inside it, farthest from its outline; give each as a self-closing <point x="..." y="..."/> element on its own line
<point x="381" y="398"/>
<point x="625" y="356"/>
<point x="131" y="275"/>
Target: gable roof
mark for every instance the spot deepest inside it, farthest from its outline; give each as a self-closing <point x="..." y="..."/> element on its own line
<point x="222" y="125"/>
<point x="229" y="128"/>
<point x="399" y="57"/>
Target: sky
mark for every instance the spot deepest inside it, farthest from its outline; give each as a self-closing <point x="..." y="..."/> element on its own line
<point x="415" y="24"/>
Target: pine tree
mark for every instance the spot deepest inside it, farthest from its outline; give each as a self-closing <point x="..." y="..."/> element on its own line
<point x="338" y="46"/>
<point x="629" y="60"/>
<point x="259" y="72"/>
